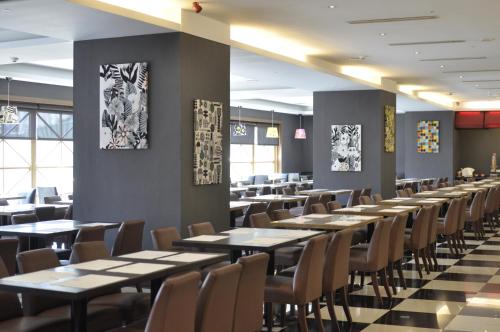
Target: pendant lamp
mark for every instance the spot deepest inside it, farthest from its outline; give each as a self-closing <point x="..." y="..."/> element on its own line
<point x="9" y="114"/>
<point x="300" y="133"/>
<point x="272" y="132"/>
<point x="239" y="129"/>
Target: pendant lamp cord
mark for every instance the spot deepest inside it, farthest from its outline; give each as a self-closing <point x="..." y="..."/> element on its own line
<point x="8" y="90"/>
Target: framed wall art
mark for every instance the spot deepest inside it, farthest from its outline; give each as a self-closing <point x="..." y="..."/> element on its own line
<point x="346" y="148"/>
<point x="389" y="128"/>
<point x="428" y="136"/>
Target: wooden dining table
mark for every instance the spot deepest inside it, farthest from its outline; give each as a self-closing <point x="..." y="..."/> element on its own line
<point x="442" y="194"/>
<point x="414" y="201"/>
<point x="377" y="210"/>
<point x="77" y="283"/>
<point x="319" y="192"/>
<point x="327" y="222"/>
<point x="276" y="198"/>
<point x="9" y="210"/>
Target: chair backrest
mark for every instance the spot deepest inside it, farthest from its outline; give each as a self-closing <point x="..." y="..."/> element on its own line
<point x="419" y="229"/>
<point x="325" y="198"/>
<point x="490" y="203"/>
<point x="8" y="251"/>
<point x="18" y="219"/>
<point x="250" y="193"/>
<point x="424" y="187"/>
<point x="129" y="238"/>
<point x="289" y="191"/>
<point x="318" y="208"/>
<point x="260" y="220"/>
<point x="4" y="202"/>
<point x="401" y="193"/>
<point x="307" y="205"/>
<point x="452" y="216"/>
<point x="30" y="197"/>
<point x="432" y="229"/>
<point x="365" y="200"/>
<point x="336" y="267"/>
<point x="250" y="295"/>
<point x="253" y="209"/>
<point x="11" y="307"/>
<point x="366" y="192"/>
<point x="266" y="190"/>
<point x="45" y="213"/>
<point x="377" y="198"/>
<point x="475" y="207"/>
<point x="354" y="198"/>
<point x="397" y="237"/>
<point x="45" y="191"/>
<point x="378" y="249"/>
<point x="87" y="234"/>
<point x="462" y="213"/>
<point x="32" y="261"/>
<point x="88" y="251"/>
<point x="69" y="212"/>
<point x="409" y="191"/>
<point x="308" y="277"/>
<point x="51" y="199"/>
<point x="163" y="237"/>
<point x="334" y="205"/>
<point x="282" y="214"/>
<point x="234" y="197"/>
<point x="273" y="206"/>
<point x="174" y="308"/>
<point x="202" y="228"/>
<point x="217" y="299"/>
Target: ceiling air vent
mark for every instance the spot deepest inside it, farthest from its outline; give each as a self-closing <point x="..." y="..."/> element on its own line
<point x="456" y="59"/>
<point x="393" y="19"/>
<point x="431" y="42"/>
<point x="471" y="71"/>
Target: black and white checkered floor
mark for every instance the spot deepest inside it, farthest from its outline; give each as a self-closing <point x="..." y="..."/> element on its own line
<point x="463" y="296"/>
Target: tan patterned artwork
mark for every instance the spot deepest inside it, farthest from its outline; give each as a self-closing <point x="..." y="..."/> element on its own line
<point x="389" y="128"/>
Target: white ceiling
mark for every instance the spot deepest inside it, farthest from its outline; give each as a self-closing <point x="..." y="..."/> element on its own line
<point x="40" y="34"/>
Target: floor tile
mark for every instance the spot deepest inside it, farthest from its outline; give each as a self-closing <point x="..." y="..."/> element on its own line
<point x="488" y="247"/>
<point x="478" y="263"/>
<point x="463" y="277"/>
<point x="395" y="328"/>
<point x="460" y="286"/>
<point x="487" y="258"/>
<point x="431" y="306"/>
<point x="480" y="311"/>
<point x="476" y="242"/>
<point x="485" y="252"/>
<point x="413" y="274"/>
<point x="441" y="261"/>
<point x="472" y="270"/>
<point x="402" y="293"/>
<point x="473" y="324"/>
<point x="416" y="319"/>
<point x="494" y="280"/>
<point x="491" y="288"/>
<point x="359" y="315"/>
<point x="447" y="251"/>
<point x="439" y="295"/>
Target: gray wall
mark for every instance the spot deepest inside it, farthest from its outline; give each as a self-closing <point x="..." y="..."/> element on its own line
<point x="153" y="184"/>
<point x="354" y="107"/>
<point x="296" y="155"/>
<point x="400" y="144"/>
<point x="476" y="146"/>
<point x="37" y="90"/>
<point x="422" y="165"/>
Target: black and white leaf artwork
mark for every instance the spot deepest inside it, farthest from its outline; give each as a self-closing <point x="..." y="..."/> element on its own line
<point x="346" y="148"/>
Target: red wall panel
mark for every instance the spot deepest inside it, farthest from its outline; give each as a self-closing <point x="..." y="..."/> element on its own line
<point x="492" y="119"/>
<point x="465" y="120"/>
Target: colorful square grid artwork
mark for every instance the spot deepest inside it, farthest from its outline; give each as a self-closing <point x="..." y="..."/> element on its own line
<point x="207" y="142"/>
<point x="428" y="137"/>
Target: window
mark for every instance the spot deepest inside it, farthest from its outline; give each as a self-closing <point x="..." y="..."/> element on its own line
<point x="252" y="158"/>
<point x="38" y="151"/>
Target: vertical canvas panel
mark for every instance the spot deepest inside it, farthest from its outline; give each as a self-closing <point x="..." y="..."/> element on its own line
<point x="123" y="106"/>
<point x="207" y="142"/>
<point x="389" y="129"/>
<point x="346" y="148"/>
<point x="428" y="137"/>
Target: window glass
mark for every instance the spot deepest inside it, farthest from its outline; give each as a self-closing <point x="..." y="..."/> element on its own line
<point x="21" y="130"/>
<point x="241" y="153"/>
<point x="264" y="153"/>
<point x="48" y="125"/>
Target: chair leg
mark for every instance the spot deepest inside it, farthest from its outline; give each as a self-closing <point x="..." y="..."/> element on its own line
<point x="427" y="252"/>
<point x="450" y="246"/>
<point x="424" y="259"/>
<point x="269" y="315"/>
<point x="317" y="315"/>
<point x="433" y="255"/>
<point x="455" y="244"/>
<point x="351" y="284"/>
<point x="330" y="302"/>
<point x="383" y="278"/>
<point x="345" y="303"/>
<point x="362" y="280"/>
<point x="390" y="272"/>
<point x="375" y="287"/>
<point x="417" y="263"/>
<point x="402" y="280"/>
<point x="301" y="318"/>
<point x="462" y="239"/>
<point x="282" y="314"/>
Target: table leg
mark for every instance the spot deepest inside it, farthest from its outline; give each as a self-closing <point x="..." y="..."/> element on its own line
<point x="234" y="255"/>
<point x="270" y="264"/>
<point x="232" y="219"/>
<point x="79" y="315"/>
<point x="155" y="288"/>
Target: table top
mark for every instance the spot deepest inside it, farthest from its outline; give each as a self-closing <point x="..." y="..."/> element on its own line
<point x="238" y="205"/>
<point x="50" y="228"/>
<point x="414" y="201"/>
<point x="63" y="202"/>
<point x="326" y="221"/>
<point x="237" y="189"/>
<point x="276" y="198"/>
<point x="8" y="210"/>
<point x="478" y="184"/>
<point x="261" y="239"/>
<point x="442" y="194"/>
<point x="456" y="188"/>
<point x="85" y="280"/>
<point x="377" y="210"/>
<point x="317" y="192"/>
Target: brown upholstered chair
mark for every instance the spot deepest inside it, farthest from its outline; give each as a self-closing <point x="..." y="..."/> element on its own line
<point x="288" y="191"/>
<point x="8" y="251"/>
<point x="234" y="197"/>
<point x="203" y="228"/>
<point x="461" y="224"/>
<point x="18" y="219"/>
<point x="51" y="199"/>
<point x="336" y="273"/>
<point x="473" y="216"/>
<point x="12" y="319"/>
<point x="325" y="198"/>
<point x="366" y="192"/>
<point x="430" y="251"/>
<point x="333" y="205"/>
<point x="365" y="200"/>
<point x="318" y="208"/>
<point x="377" y="198"/>
<point x="306" y="209"/>
<point x="416" y="241"/>
<point x="163" y="237"/>
<point x="69" y="212"/>
<point x="129" y="238"/>
<point x="409" y="191"/>
<point x="133" y="306"/>
<point x="217" y="299"/>
<point x="273" y="206"/>
<point x="396" y="250"/>
<point x="282" y="214"/>
<point x="490" y="206"/>
<point x="250" y="193"/>
<point x="354" y="198"/>
<point x="252" y="209"/>
<point x="303" y="288"/>
<point x="4" y="202"/>
<point x="99" y="317"/>
<point x="374" y="259"/>
<point x="250" y="295"/>
<point x="448" y="226"/>
<point x="87" y="234"/>
<point x="401" y="193"/>
<point x="260" y="220"/>
<point x="45" y="213"/>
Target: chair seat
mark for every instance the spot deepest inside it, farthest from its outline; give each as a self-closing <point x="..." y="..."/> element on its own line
<point x="35" y="324"/>
<point x="279" y="289"/>
<point x="287" y="256"/>
<point x="358" y="260"/>
<point x="440" y="228"/>
<point x="99" y="318"/>
<point x="133" y="306"/>
<point x="288" y="272"/>
<point x="359" y="236"/>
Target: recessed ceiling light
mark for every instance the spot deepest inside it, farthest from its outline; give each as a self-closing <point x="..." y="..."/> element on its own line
<point x="331" y="6"/>
<point x="382" y="34"/>
<point x="442" y="66"/>
<point x="477" y="85"/>
<point x="417" y="52"/>
<point x="461" y="76"/>
<point x="6" y="11"/>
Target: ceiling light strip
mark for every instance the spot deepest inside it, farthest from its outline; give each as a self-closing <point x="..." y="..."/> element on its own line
<point x="432" y="42"/>
<point x="455" y="59"/>
<point x="394" y="19"/>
